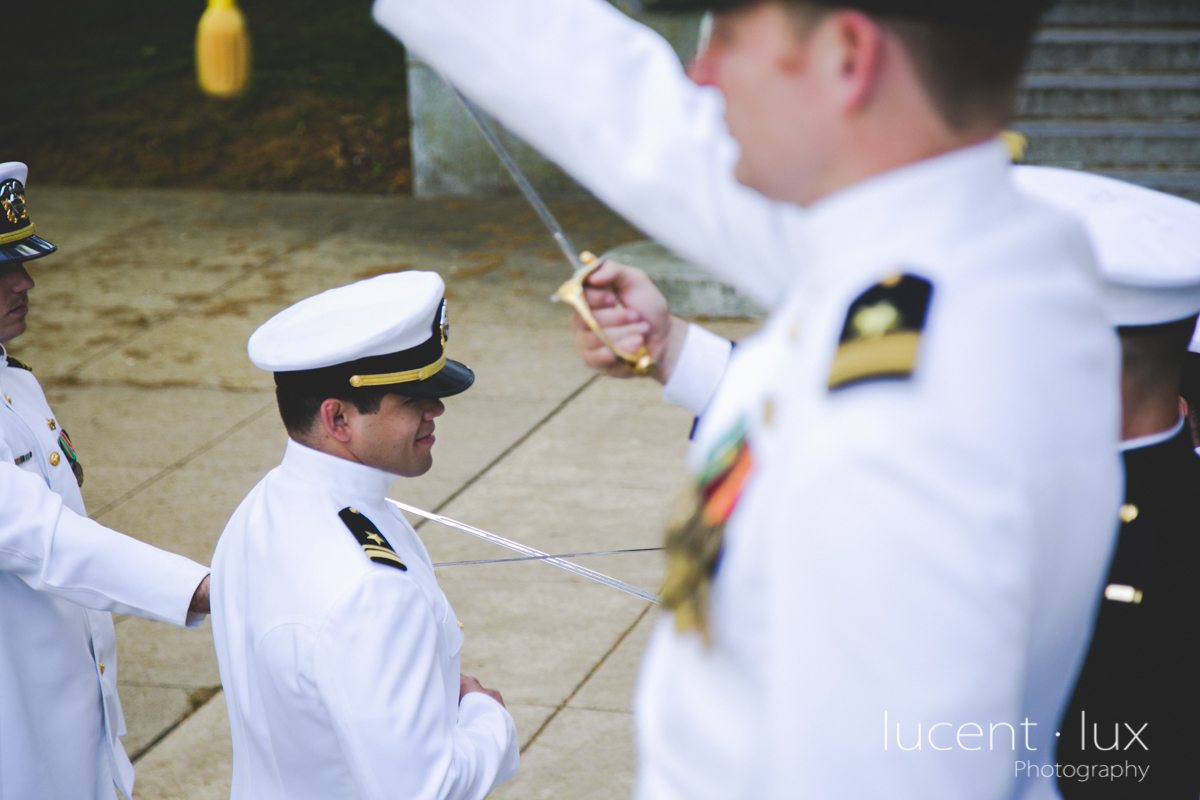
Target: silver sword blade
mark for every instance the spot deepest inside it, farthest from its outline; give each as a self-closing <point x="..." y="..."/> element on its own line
<point x="542" y="558"/>
<point x="526" y="188"/>
<point x="525" y="550"/>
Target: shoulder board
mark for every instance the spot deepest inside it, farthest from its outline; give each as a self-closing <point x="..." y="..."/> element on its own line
<point x="15" y="362"/>
<point x="368" y="536"/>
<point x="882" y="332"/>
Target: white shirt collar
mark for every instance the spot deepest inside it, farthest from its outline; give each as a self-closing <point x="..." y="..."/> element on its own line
<point x="852" y="227"/>
<point x="1151" y="438"/>
<point x="337" y="476"/>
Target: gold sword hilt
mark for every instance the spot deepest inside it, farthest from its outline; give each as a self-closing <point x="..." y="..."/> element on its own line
<point x="571" y="293"/>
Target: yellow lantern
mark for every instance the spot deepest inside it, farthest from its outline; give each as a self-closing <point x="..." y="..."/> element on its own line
<point x="222" y="50"/>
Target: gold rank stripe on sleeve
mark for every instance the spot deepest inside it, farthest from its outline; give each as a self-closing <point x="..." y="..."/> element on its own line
<point x="370" y="539"/>
<point x="882" y="334"/>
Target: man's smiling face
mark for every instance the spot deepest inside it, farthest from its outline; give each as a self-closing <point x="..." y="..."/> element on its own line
<point x="15" y="284"/>
<point x="399" y="437"/>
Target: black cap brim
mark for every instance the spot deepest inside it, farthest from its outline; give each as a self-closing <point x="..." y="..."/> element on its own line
<point x="452" y="379"/>
<point x="26" y="249"/>
<point x="944" y="11"/>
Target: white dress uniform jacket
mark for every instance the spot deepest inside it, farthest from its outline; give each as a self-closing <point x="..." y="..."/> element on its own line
<point x="342" y="674"/>
<point x="919" y="552"/>
<point x="60" y="575"/>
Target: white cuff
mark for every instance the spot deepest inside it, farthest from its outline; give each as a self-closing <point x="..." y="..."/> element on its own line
<point x="698" y="370"/>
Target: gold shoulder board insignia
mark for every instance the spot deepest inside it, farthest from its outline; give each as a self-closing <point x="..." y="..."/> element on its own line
<point x="373" y="544"/>
<point x="882" y="332"/>
<point x="14" y="362"/>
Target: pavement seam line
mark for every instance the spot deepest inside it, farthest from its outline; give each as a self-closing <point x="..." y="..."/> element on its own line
<point x="537" y="426"/>
<point x="595" y="668"/>
<point x="157" y="740"/>
<point x="183" y="462"/>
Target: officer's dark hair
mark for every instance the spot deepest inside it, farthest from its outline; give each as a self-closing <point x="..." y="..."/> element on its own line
<point x="1152" y="355"/>
<point x="970" y="67"/>
<point x="301" y="408"/>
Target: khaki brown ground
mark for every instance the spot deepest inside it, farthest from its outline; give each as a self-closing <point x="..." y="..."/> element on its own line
<point x="137" y="331"/>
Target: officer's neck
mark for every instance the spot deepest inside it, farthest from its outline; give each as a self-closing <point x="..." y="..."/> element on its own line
<point x="1145" y="413"/>
<point x="894" y="123"/>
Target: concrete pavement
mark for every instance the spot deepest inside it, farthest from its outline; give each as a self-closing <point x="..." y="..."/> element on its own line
<point x="137" y="331"/>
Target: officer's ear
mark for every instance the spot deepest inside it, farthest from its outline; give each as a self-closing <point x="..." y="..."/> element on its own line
<point x="334" y="420"/>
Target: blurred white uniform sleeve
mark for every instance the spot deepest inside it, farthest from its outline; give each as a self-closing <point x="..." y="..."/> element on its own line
<point x="57" y="551"/>
<point x="698" y="370"/>
<point x="606" y="98"/>
<point x="381" y="669"/>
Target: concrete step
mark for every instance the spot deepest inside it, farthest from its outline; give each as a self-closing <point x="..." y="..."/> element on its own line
<point x="1112" y="143"/>
<point x="1124" y="12"/>
<point x="690" y="292"/>
<point x="1170" y="97"/>
<point x="1106" y="50"/>
<point x="1185" y="183"/>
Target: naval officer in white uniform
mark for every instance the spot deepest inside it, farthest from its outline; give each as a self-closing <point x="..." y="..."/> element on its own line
<point x="61" y="574"/>
<point x="338" y="652"/>
<point x="903" y="510"/>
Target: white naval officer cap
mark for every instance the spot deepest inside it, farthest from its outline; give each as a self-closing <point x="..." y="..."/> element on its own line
<point x="19" y="241"/>
<point x="1147" y="243"/>
<point x="388" y="331"/>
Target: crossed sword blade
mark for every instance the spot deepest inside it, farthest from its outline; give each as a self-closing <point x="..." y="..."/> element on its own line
<point x="533" y="554"/>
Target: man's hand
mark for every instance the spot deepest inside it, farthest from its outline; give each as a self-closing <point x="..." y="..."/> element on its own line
<point x="633" y="312"/>
<point x="467" y="684"/>
<point x="200" y="598"/>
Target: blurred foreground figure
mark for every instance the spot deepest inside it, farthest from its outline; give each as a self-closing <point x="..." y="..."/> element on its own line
<point x="339" y="653"/>
<point x="906" y="483"/>
<point x="1130" y="729"/>
<point x="61" y="574"/>
<point x="1137" y="693"/>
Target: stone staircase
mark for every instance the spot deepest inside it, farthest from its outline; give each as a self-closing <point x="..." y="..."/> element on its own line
<point x="1113" y="86"/>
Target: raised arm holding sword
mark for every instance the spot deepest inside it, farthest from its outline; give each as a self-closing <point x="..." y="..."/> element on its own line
<point x="864" y="559"/>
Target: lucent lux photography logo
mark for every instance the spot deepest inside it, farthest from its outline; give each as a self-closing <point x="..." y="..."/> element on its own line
<point x="1112" y="757"/>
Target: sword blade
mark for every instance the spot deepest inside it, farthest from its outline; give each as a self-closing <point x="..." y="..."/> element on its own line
<point x="525" y="550"/>
<point x="522" y="183"/>
<point x="541" y="558"/>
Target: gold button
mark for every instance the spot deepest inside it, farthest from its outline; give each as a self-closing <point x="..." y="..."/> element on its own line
<point x="1128" y="512"/>
<point x="768" y="411"/>
<point x="101" y="667"/>
<point x="891" y="280"/>
<point x="54" y="459"/>
<point x="50" y="424"/>
<point x="794" y="331"/>
<point x="9" y="399"/>
<point x="460" y="626"/>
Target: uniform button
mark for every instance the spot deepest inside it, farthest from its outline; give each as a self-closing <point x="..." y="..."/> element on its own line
<point x="9" y="399"/>
<point x="51" y="425"/>
<point x="101" y="667"/>
<point x="460" y="626"/>
<point x="54" y="459"/>
<point x="1122" y="593"/>
<point x="768" y="411"/>
<point x="1128" y="512"/>
<point x="794" y="331"/>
